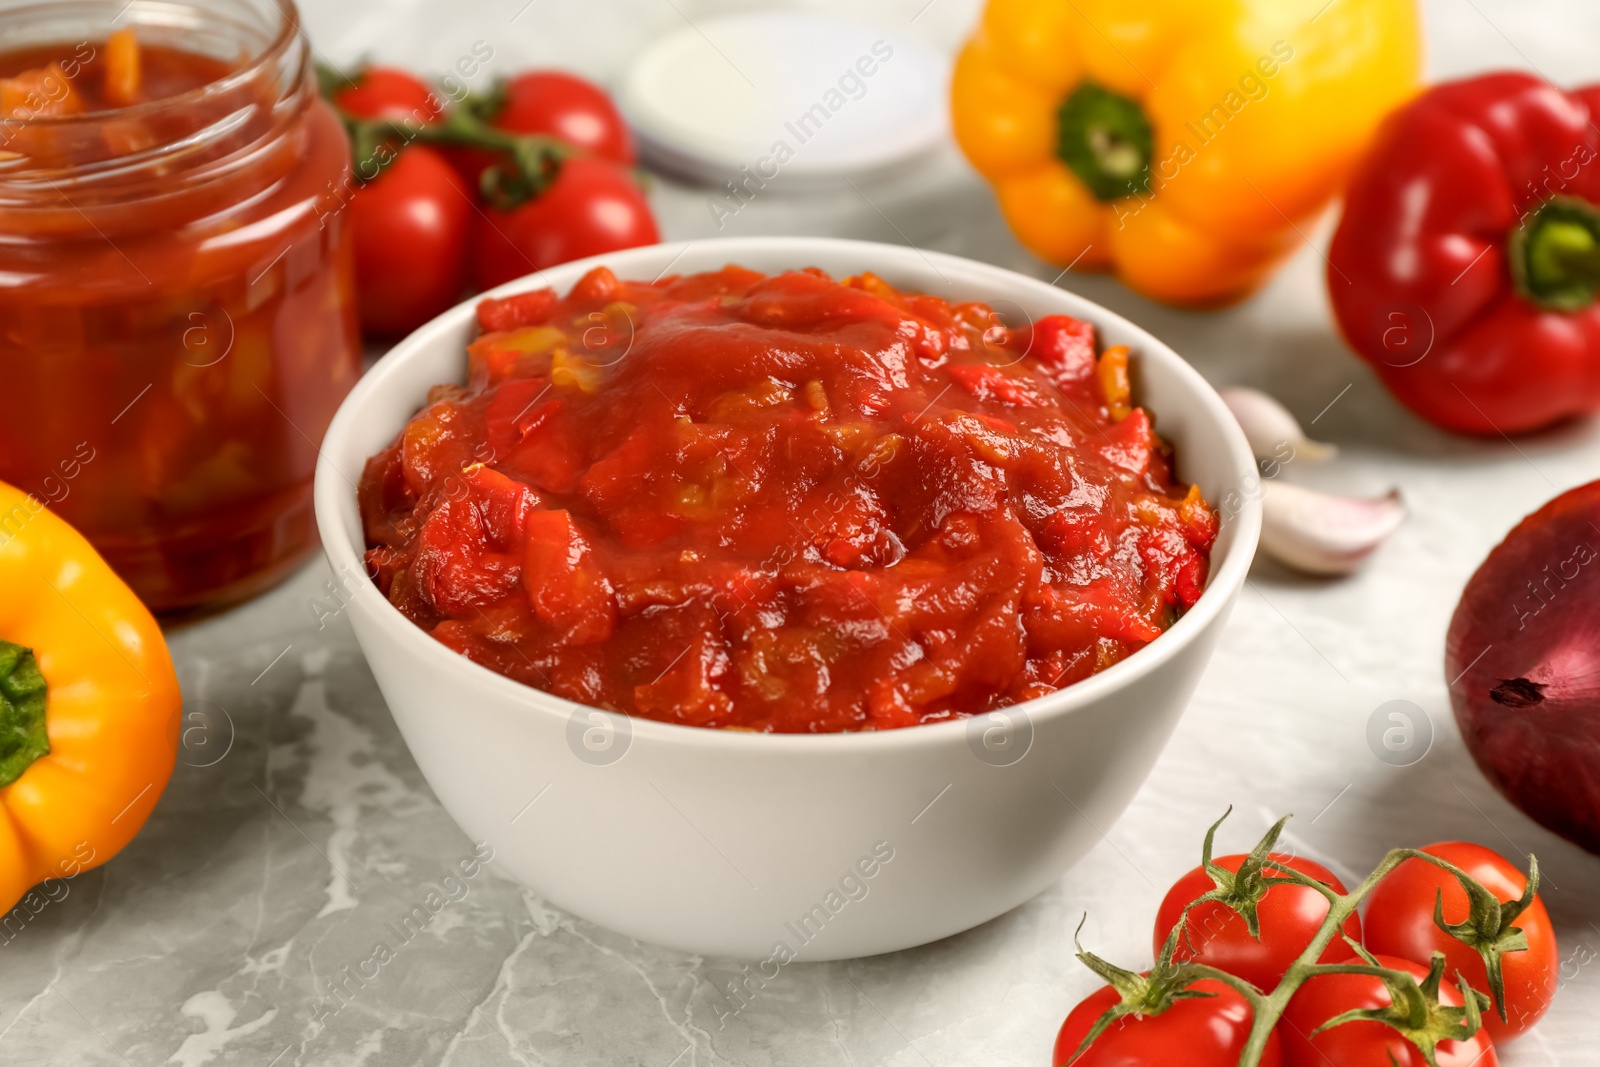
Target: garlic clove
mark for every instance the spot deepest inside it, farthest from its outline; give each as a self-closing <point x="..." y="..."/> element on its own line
<point x="1269" y="428"/>
<point x="1319" y="533"/>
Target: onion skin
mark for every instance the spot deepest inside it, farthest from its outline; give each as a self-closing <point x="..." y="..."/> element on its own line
<point x="1523" y="660"/>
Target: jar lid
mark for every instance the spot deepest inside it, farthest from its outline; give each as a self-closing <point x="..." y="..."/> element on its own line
<point x="805" y="99"/>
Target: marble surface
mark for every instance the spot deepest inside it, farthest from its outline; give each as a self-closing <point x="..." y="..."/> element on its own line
<point x="297" y="833"/>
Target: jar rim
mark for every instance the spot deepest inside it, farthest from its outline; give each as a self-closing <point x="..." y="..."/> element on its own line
<point x="288" y="33"/>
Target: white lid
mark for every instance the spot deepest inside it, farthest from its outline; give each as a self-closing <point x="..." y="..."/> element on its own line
<point x="805" y="98"/>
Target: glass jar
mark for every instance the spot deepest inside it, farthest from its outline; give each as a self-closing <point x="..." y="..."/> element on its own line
<point x="177" y="307"/>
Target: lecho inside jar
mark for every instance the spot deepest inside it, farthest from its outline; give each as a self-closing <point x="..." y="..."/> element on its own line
<point x="177" y="318"/>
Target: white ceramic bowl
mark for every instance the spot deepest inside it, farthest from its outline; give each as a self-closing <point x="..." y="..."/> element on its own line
<point x="767" y="847"/>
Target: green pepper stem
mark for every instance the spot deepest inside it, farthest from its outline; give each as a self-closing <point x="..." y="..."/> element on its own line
<point x="1555" y="254"/>
<point x="23" y="698"/>
<point x="1106" y="140"/>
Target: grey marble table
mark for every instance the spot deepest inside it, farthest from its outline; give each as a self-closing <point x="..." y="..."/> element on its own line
<point x="298" y="834"/>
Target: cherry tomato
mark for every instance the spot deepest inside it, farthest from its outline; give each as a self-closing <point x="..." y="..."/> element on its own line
<point x="565" y="106"/>
<point x="1365" y="1043"/>
<point x="1200" y="1032"/>
<point x="411" y="228"/>
<point x="1289" y="915"/>
<point x="593" y="206"/>
<point x="388" y="93"/>
<point x="559" y="105"/>
<point x="1400" y="923"/>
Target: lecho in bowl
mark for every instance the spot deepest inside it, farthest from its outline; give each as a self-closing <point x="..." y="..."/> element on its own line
<point x="787" y="618"/>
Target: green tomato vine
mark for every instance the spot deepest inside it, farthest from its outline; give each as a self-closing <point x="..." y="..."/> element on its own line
<point x="526" y="164"/>
<point x="1414" y="1011"/>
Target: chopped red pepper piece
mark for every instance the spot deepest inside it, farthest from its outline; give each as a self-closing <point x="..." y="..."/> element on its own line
<point x="564" y="584"/>
<point x="512" y="312"/>
<point x="1063" y="345"/>
<point x="991" y="383"/>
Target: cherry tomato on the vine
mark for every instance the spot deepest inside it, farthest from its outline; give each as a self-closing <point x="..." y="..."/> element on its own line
<point x="411" y="228"/>
<point x="1208" y="1031"/>
<point x="592" y="206"/>
<point x="1366" y="1043"/>
<point x="567" y="107"/>
<point x="1289" y="915"/>
<point x="1400" y="923"/>
<point x="388" y="93"/>
<point x="555" y="104"/>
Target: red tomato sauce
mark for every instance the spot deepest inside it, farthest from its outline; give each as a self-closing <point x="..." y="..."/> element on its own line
<point x="783" y="504"/>
<point x="177" y="316"/>
<point x="71" y="79"/>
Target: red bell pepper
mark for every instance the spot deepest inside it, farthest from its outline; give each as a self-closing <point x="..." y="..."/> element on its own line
<point x="1466" y="265"/>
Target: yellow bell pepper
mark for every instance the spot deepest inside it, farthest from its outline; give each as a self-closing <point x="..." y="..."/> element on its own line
<point x="89" y="706"/>
<point x="1185" y="144"/>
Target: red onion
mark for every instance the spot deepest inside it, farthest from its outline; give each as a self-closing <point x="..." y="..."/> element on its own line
<point x="1523" y="659"/>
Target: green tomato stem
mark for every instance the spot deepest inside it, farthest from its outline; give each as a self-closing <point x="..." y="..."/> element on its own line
<point x="1289" y="874"/>
<point x="528" y="166"/>
<point x="1270" y="1007"/>
<point x="1415" y="1010"/>
<point x="530" y="163"/>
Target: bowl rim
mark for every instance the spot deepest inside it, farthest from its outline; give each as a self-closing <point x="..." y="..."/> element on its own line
<point x="1221" y="587"/>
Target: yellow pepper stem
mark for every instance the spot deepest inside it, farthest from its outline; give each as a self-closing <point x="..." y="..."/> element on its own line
<point x="22" y="706"/>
